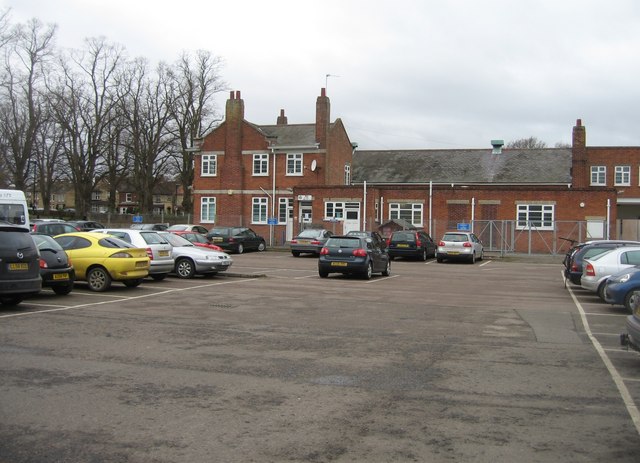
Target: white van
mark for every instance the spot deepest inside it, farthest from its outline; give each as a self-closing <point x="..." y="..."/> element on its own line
<point x="13" y="208"/>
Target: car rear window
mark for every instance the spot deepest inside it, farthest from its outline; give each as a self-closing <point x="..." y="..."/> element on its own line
<point x="310" y="233"/>
<point x="403" y="236"/>
<point x="153" y="238"/>
<point x="455" y="237"/>
<point x="219" y="231"/>
<point x="343" y="242"/>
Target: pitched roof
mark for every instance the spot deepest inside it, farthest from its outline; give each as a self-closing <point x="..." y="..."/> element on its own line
<point x="511" y="166"/>
<point x="291" y="134"/>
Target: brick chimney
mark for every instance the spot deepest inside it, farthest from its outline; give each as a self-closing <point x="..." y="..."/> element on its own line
<point x="282" y="119"/>
<point x="233" y="168"/>
<point x="579" y="174"/>
<point x="323" y="108"/>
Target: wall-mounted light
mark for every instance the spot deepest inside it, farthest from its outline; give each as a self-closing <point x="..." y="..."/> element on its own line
<point x="581" y="204"/>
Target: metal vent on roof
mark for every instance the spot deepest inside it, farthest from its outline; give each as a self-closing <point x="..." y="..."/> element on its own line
<point x="497" y="146"/>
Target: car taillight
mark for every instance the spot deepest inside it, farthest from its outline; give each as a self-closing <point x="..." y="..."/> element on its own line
<point x="149" y="253"/>
<point x="324" y="251"/>
<point x="359" y="252"/>
<point x="315" y="242"/>
<point x="574" y="267"/>
<point x="231" y="239"/>
<point x="389" y="241"/>
<point x="43" y="264"/>
<point x="294" y="241"/>
<point x="590" y="271"/>
<point x="418" y="242"/>
<point x="466" y="244"/>
<point x="441" y="243"/>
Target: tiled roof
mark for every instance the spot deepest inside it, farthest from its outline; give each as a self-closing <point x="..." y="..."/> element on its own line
<point x="291" y="134"/>
<point x="512" y="166"/>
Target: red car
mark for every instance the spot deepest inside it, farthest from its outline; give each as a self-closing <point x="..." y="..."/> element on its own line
<point x="197" y="239"/>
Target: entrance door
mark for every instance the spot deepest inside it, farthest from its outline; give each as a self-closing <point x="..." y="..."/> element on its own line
<point x="351" y="217"/>
<point x="306" y="214"/>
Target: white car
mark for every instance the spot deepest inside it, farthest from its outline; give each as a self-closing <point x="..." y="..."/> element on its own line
<point x="597" y="269"/>
<point x="191" y="259"/>
<point x="460" y="245"/>
<point x="158" y="249"/>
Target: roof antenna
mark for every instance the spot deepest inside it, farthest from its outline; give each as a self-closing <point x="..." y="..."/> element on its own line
<point x="326" y="79"/>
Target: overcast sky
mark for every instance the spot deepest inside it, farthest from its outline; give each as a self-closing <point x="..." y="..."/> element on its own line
<point x="404" y="74"/>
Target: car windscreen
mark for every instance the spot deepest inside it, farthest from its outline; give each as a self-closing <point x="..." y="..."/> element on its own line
<point x="455" y="237"/>
<point x="403" y="236"/>
<point x="175" y="240"/>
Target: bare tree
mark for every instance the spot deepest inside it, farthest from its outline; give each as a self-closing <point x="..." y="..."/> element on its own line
<point x="21" y="110"/>
<point x="146" y="106"/>
<point x="84" y="102"/>
<point x="527" y="143"/>
<point x="195" y="82"/>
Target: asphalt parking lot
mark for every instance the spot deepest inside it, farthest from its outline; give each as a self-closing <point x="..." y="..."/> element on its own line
<point x="496" y="361"/>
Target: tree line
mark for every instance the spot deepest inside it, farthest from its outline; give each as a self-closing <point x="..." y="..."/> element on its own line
<point x="94" y="115"/>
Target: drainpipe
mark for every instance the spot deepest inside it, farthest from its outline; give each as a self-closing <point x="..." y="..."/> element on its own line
<point x="430" y="206"/>
<point x="608" y="231"/>
<point x="273" y="198"/>
<point x="473" y="213"/>
<point x="364" y="207"/>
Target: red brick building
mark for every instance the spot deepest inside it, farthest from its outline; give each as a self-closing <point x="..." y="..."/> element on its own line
<point x="524" y="200"/>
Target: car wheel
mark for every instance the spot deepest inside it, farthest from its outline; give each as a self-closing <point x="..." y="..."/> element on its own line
<point x="423" y="257"/>
<point x="472" y="259"/>
<point x="323" y="274"/>
<point x="62" y="290"/>
<point x="439" y="259"/>
<point x="11" y="300"/>
<point x="387" y="270"/>
<point x="159" y="276"/>
<point x="295" y="253"/>
<point x="629" y="300"/>
<point x="240" y="249"/>
<point x="132" y="283"/>
<point x="185" y="268"/>
<point x="601" y="290"/>
<point x="99" y="279"/>
<point x="369" y="272"/>
<point x="262" y="246"/>
<point x="481" y="255"/>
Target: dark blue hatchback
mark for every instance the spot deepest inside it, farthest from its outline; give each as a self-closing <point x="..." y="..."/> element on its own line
<point x="620" y="289"/>
<point x="353" y="255"/>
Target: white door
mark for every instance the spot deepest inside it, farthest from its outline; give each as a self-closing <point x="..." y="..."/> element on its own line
<point x="351" y="217"/>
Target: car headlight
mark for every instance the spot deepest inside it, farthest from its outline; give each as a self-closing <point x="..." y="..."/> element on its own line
<point x="623" y="278"/>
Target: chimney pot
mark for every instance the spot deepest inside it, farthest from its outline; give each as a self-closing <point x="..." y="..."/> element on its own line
<point x="579" y="123"/>
<point x="323" y="92"/>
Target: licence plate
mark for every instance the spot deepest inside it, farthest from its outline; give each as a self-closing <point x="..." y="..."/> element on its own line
<point x="339" y="264"/>
<point x="217" y="239"/>
<point x="164" y="253"/>
<point x="61" y="276"/>
<point x="403" y="245"/>
<point x="19" y="266"/>
<point x="304" y="241"/>
<point x="453" y="253"/>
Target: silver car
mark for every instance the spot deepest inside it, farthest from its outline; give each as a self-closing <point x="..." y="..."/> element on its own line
<point x="310" y="240"/>
<point x="158" y="248"/>
<point x="460" y="245"/>
<point x="191" y="259"/>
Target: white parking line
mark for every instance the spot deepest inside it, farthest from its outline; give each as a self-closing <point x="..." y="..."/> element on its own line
<point x="632" y="409"/>
<point x="130" y="298"/>
<point x="485" y="263"/>
<point x="380" y="280"/>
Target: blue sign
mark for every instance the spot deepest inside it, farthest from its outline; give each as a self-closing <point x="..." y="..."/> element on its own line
<point x="272" y="221"/>
<point x="137" y="219"/>
<point x="464" y="227"/>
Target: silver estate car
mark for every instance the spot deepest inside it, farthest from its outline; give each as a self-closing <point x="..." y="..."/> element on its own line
<point x="158" y="248"/>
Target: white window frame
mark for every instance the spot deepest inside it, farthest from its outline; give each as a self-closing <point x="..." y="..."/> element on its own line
<point x="207" y="205"/>
<point x="259" y="210"/>
<point x="209" y="165"/>
<point x="294" y="164"/>
<point x="260" y="164"/>
<point x="623" y="176"/>
<point x="285" y="210"/>
<point x="334" y="210"/>
<point x="598" y="175"/>
<point x="535" y="216"/>
<point x="411" y="212"/>
<point x="128" y="197"/>
<point x="347" y="174"/>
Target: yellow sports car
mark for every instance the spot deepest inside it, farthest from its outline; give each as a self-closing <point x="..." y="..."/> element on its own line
<point x="99" y="259"/>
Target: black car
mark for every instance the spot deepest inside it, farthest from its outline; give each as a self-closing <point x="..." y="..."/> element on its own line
<point x="55" y="269"/>
<point x="352" y="254"/>
<point x="85" y="225"/>
<point x="375" y="236"/>
<point x="411" y="243"/>
<point x="236" y="239"/>
<point x="574" y="259"/>
<point x="20" y="269"/>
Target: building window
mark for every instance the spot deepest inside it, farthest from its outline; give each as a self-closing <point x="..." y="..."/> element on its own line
<point x="261" y="164"/>
<point x="128" y="197"/>
<point x="598" y="175"/>
<point x="259" y="210"/>
<point x="209" y="165"/>
<point x="411" y="212"/>
<point x="207" y="209"/>
<point x="347" y="174"/>
<point x="285" y="211"/>
<point x="294" y="164"/>
<point x="95" y="196"/>
<point x="333" y="210"/>
<point x="623" y="175"/>
<point x="538" y="216"/>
